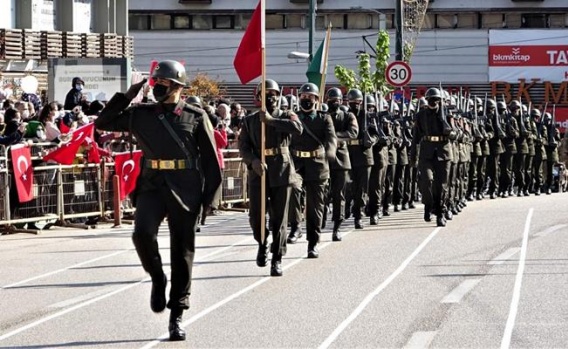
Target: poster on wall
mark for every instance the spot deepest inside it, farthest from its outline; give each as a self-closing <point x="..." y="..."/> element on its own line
<point x="528" y="54"/>
<point x="82" y="10"/>
<point x="43" y="15"/>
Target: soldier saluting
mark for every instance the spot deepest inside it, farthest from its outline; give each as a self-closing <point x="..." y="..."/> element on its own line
<point x="180" y="176"/>
<point x="280" y="126"/>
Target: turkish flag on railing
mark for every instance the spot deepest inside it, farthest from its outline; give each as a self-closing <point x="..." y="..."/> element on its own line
<point x="65" y="154"/>
<point x="248" y="60"/>
<point x="127" y="168"/>
<point x="93" y="155"/>
<point x="23" y="172"/>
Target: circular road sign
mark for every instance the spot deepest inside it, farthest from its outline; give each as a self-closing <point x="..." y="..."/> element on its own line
<point x="398" y="73"/>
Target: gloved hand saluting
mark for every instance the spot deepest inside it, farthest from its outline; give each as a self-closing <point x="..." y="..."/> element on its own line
<point x="134" y="89"/>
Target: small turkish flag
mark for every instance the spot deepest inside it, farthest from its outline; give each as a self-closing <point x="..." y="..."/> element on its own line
<point x="66" y="153"/>
<point x="23" y="172"/>
<point x="127" y="168"/>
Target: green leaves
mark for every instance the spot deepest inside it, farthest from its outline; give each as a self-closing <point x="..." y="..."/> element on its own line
<point x="346" y="77"/>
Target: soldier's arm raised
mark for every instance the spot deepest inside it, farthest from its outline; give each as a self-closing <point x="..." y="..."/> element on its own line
<point x="115" y="115"/>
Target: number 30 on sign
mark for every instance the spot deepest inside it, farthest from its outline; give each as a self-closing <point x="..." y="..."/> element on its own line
<point x="398" y="73"/>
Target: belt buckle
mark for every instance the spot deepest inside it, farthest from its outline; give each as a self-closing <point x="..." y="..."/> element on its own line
<point x="154" y="164"/>
<point x="269" y="152"/>
<point x="435" y="138"/>
<point x="304" y="154"/>
<point x="167" y="164"/>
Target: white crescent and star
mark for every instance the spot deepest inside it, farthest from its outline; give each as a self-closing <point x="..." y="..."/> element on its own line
<point x="125" y="165"/>
<point x="22" y="159"/>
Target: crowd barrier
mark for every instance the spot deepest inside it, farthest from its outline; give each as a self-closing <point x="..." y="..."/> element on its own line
<point x="79" y="195"/>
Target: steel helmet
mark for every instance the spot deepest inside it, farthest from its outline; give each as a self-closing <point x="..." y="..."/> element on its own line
<point x="170" y="70"/>
<point x="334" y="92"/>
<point x="271" y="85"/>
<point x="433" y="92"/>
<point x="354" y="94"/>
<point x="309" y="88"/>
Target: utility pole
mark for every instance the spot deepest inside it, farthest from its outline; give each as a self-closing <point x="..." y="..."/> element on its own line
<point x="399" y="26"/>
<point x="312" y="28"/>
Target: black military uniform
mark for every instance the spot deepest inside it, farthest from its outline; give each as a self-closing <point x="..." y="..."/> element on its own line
<point x="522" y="146"/>
<point x="540" y="142"/>
<point x="531" y="143"/>
<point x="554" y="139"/>
<point x="280" y="127"/>
<point x="506" y="163"/>
<point x="433" y="133"/>
<point x="346" y="129"/>
<point x="312" y="152"/>
<point x="495" y="134"/>
<point x="403" y="130"/>
<point x="380" y="161"/>
<point x="175" y="182"/>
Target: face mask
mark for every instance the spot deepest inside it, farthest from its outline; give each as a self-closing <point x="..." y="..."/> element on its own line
<point x="306" y="104"/>
<point x="333" y="106"/>
<point x="433" y="104"/>
<point x="161" y="92"/>
<point x="25" y="114"/>
<point x="40" y="134"/>
<point x="271" y="102"/>
<point x="354" y="106"/>
<point x="79" y="87"/>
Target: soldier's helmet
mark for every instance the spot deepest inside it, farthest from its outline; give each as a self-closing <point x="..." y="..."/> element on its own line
<point x="535" y="113"/>
<point x="194" y="100"/>
<point x="283" y="103"/>
<point x="354" y="94"/>
<point x="433" y="92"/>
<point x="547" y="117"/>
<point x="324" y="107"/>
<point x="514" y="105"/>
<point x="422" y="102"/>
<point x="370" y="100"/>
<point x="491" y="104"/>
<point x="501" y="106"/>
<point x="470" y="103"/>
<point x="479" y="102"/>
<point x="334" y="93"/>
<point x="170" y="70"/>
<point x="271" y="85"/>
<point x="292" y="100"/>
<point x="309" y="88"/>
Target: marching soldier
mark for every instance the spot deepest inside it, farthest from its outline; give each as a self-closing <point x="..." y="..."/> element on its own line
<point x="402" y="126"/>
<point x="531" y="143"/>
<point x="432" y="132"/>
<point x="506" y="164"/>
<point x="346" y="129"/>
<point x="540" y="142"/>
<point x="496" y="134"/>
<point x="180" y="177"/>
<point x="553" y="136"/>
<point x="280" y="126"/>
<point x="312" y="151"/>
<point x="380" y="159"/>
<point x="522" y="146"/>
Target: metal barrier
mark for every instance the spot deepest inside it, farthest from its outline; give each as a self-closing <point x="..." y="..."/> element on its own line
<point x="4" y="186"/>
<point x="234" y="179"/>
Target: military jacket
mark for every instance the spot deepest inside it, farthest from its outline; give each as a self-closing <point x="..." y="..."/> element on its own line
<point x="359" y="154"/>
<point x="346" y="128"/>
<point x="428" y="124"/>
<point x="512" y="131"/>
<point x="492" y="128"/>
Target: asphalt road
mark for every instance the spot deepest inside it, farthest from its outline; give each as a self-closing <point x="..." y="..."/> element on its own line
<point x="495" y="277"/>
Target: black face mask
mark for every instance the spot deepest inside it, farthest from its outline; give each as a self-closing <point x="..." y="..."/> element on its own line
<point x="354" y="107"/>
<point x="161" y="92"/>
<point x="333" y="106"/>
<point x="432" y="103"/>
<point x="271" y="102"/>
<point x="306" y="104"/>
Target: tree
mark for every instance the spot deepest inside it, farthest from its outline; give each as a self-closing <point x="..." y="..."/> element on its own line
<point x="204" y="87"/>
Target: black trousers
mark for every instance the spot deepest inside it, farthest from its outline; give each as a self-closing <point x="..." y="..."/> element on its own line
<point x="493" y="171"/>
<point x="452" y="183"/>
<point x="528" y="173"/>
<point x="481" y="165"/>
<point x="519" y="170"/>
<point x="433" y="183"/>
<point x="337" y="194"/>
<point x="506" y="169"/>
<point x="389" y="183"/>
<point x="537" y="172"/>
<point x="376" y="188"/>
<point x="151" y="209"/>
<point x="472" y="174"/>
<point x="277" y="202"/>
<point x="398" y="184"/>
<point x="295" y="205"/>
<point x="359" y="187"/>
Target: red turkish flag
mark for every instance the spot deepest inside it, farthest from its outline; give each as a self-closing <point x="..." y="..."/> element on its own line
<point x="127" y="168"/>
<point x="93" y="155"/>
<point x="23" y="171"/>
<point x="66" y="153"/>
<point x="248" y="60"/>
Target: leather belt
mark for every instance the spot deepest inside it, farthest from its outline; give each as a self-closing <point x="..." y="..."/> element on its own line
<point x="308" y="154"/>
<point x="354" y="142"/>
<point x="276" y="151"/>
<point x="435" y="138"/>
<point x="176" y="164"/>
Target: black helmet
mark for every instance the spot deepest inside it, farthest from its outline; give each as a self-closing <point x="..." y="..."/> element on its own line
<point x="324" y="108"/>
<point x="194" y="100"/>
<point x="433" y="92"/>
<point x="271" y="85"/>
<point x="515" y="104"/>
<point x="309" y="88"/>
<point x="535" y="113"/>
<point x="490" y="104"/>
<point x="547" y="117"/>
<point x="501" y="106"/>
<point x="478" y="101"/>
<point x="332" y="93"/>
<point x="422" y="102"/>
<point x="354" y="94"/>
<point x="370" y="100"/>
<point x="170" y="70"/>
<point x="283" y="102"/>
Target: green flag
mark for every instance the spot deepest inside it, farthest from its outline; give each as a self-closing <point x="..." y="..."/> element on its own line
<point x="317" y="66"/>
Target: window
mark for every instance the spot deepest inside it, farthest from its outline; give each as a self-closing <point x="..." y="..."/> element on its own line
<point x="243" y="21"/>
<point x="429" y="21"/>
<point x="492" y="20"/>
<point x="358" y="21"/>
<point x="138" y="22"/>
<point x="467" y="20"/>
<point x="513" y="20"/>
<point x="274" y="21"/>
<point x="295" y="21"/>
<point x="558" y="20"/>
<point x="223" y="22"/>
<point x="161" y="22"/>
<point x="202" y="22"/>
<point x="376" y="20"/>
<point x="320" y="22"/>
<point x="182" y="22"/>
<point x="337" y="21"/>
<point x="536" y="20"/>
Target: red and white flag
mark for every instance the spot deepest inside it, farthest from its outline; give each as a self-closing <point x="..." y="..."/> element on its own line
<point x="127" y="168"/>
<point x="248" y="60"/>
<point x="23" y="172"/>
<point x="66" y="153"/>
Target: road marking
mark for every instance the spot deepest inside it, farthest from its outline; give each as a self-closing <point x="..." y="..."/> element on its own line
<point x="235" y="295"/>
<point x="550" y="230"/>
<point x="101" y="297"/>
<point x="333" y="336"/>
<point x="505" y="256"/>
<point x="84" y="297"/>
<point x="420" y="340"/>
<point x="457" y="293"/>
<point x="506" y="342"/>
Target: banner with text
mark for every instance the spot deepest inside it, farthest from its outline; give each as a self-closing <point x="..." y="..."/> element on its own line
<point x="528" y="54"/>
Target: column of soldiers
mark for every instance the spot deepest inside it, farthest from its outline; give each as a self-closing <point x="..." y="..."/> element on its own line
<point x="360" y="155"/>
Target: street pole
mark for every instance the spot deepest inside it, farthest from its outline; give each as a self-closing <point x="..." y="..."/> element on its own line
<point x="312" y="28"/>
<point x="398" y="23"/>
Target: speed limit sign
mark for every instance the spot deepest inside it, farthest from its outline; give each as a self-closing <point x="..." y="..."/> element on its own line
<point x="398" y="73"/>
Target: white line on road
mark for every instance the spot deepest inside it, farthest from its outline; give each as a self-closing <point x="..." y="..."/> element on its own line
<point x="459" y="292"/>
<point x="550" y="230"/>
<point x="235" y="295"/>
<point x="505" y="256"/>
<point x="333" y="336"/>
<point x="420" y="340"/>
<point x="506" y="342"/>
<point x="91" y="301"/>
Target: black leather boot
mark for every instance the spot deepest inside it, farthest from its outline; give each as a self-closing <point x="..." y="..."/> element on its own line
<point x="158" y="295"/>
<point x="427" y="213"/>
<point x="276" y="266"/>
<point x="262" y="255"/>
<point x="176" y="332"/>
<point x="336" y="234"/>
<point x="295" y="233"/>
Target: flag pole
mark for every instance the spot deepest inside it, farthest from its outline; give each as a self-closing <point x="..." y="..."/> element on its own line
<point x="262" y="125"/>
<point x="324" y="70"/>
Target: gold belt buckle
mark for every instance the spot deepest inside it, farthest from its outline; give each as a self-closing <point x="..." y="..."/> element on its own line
<point x="154" y="164"/>
<point x="305" y="154"/>
<point x="434" y="138"/>
<point x="167" y="164"/>
<point x="270" y="152"/>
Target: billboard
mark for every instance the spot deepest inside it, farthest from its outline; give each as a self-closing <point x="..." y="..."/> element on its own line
<point x="528" y="54"/>
<point x="103" y="77"/>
